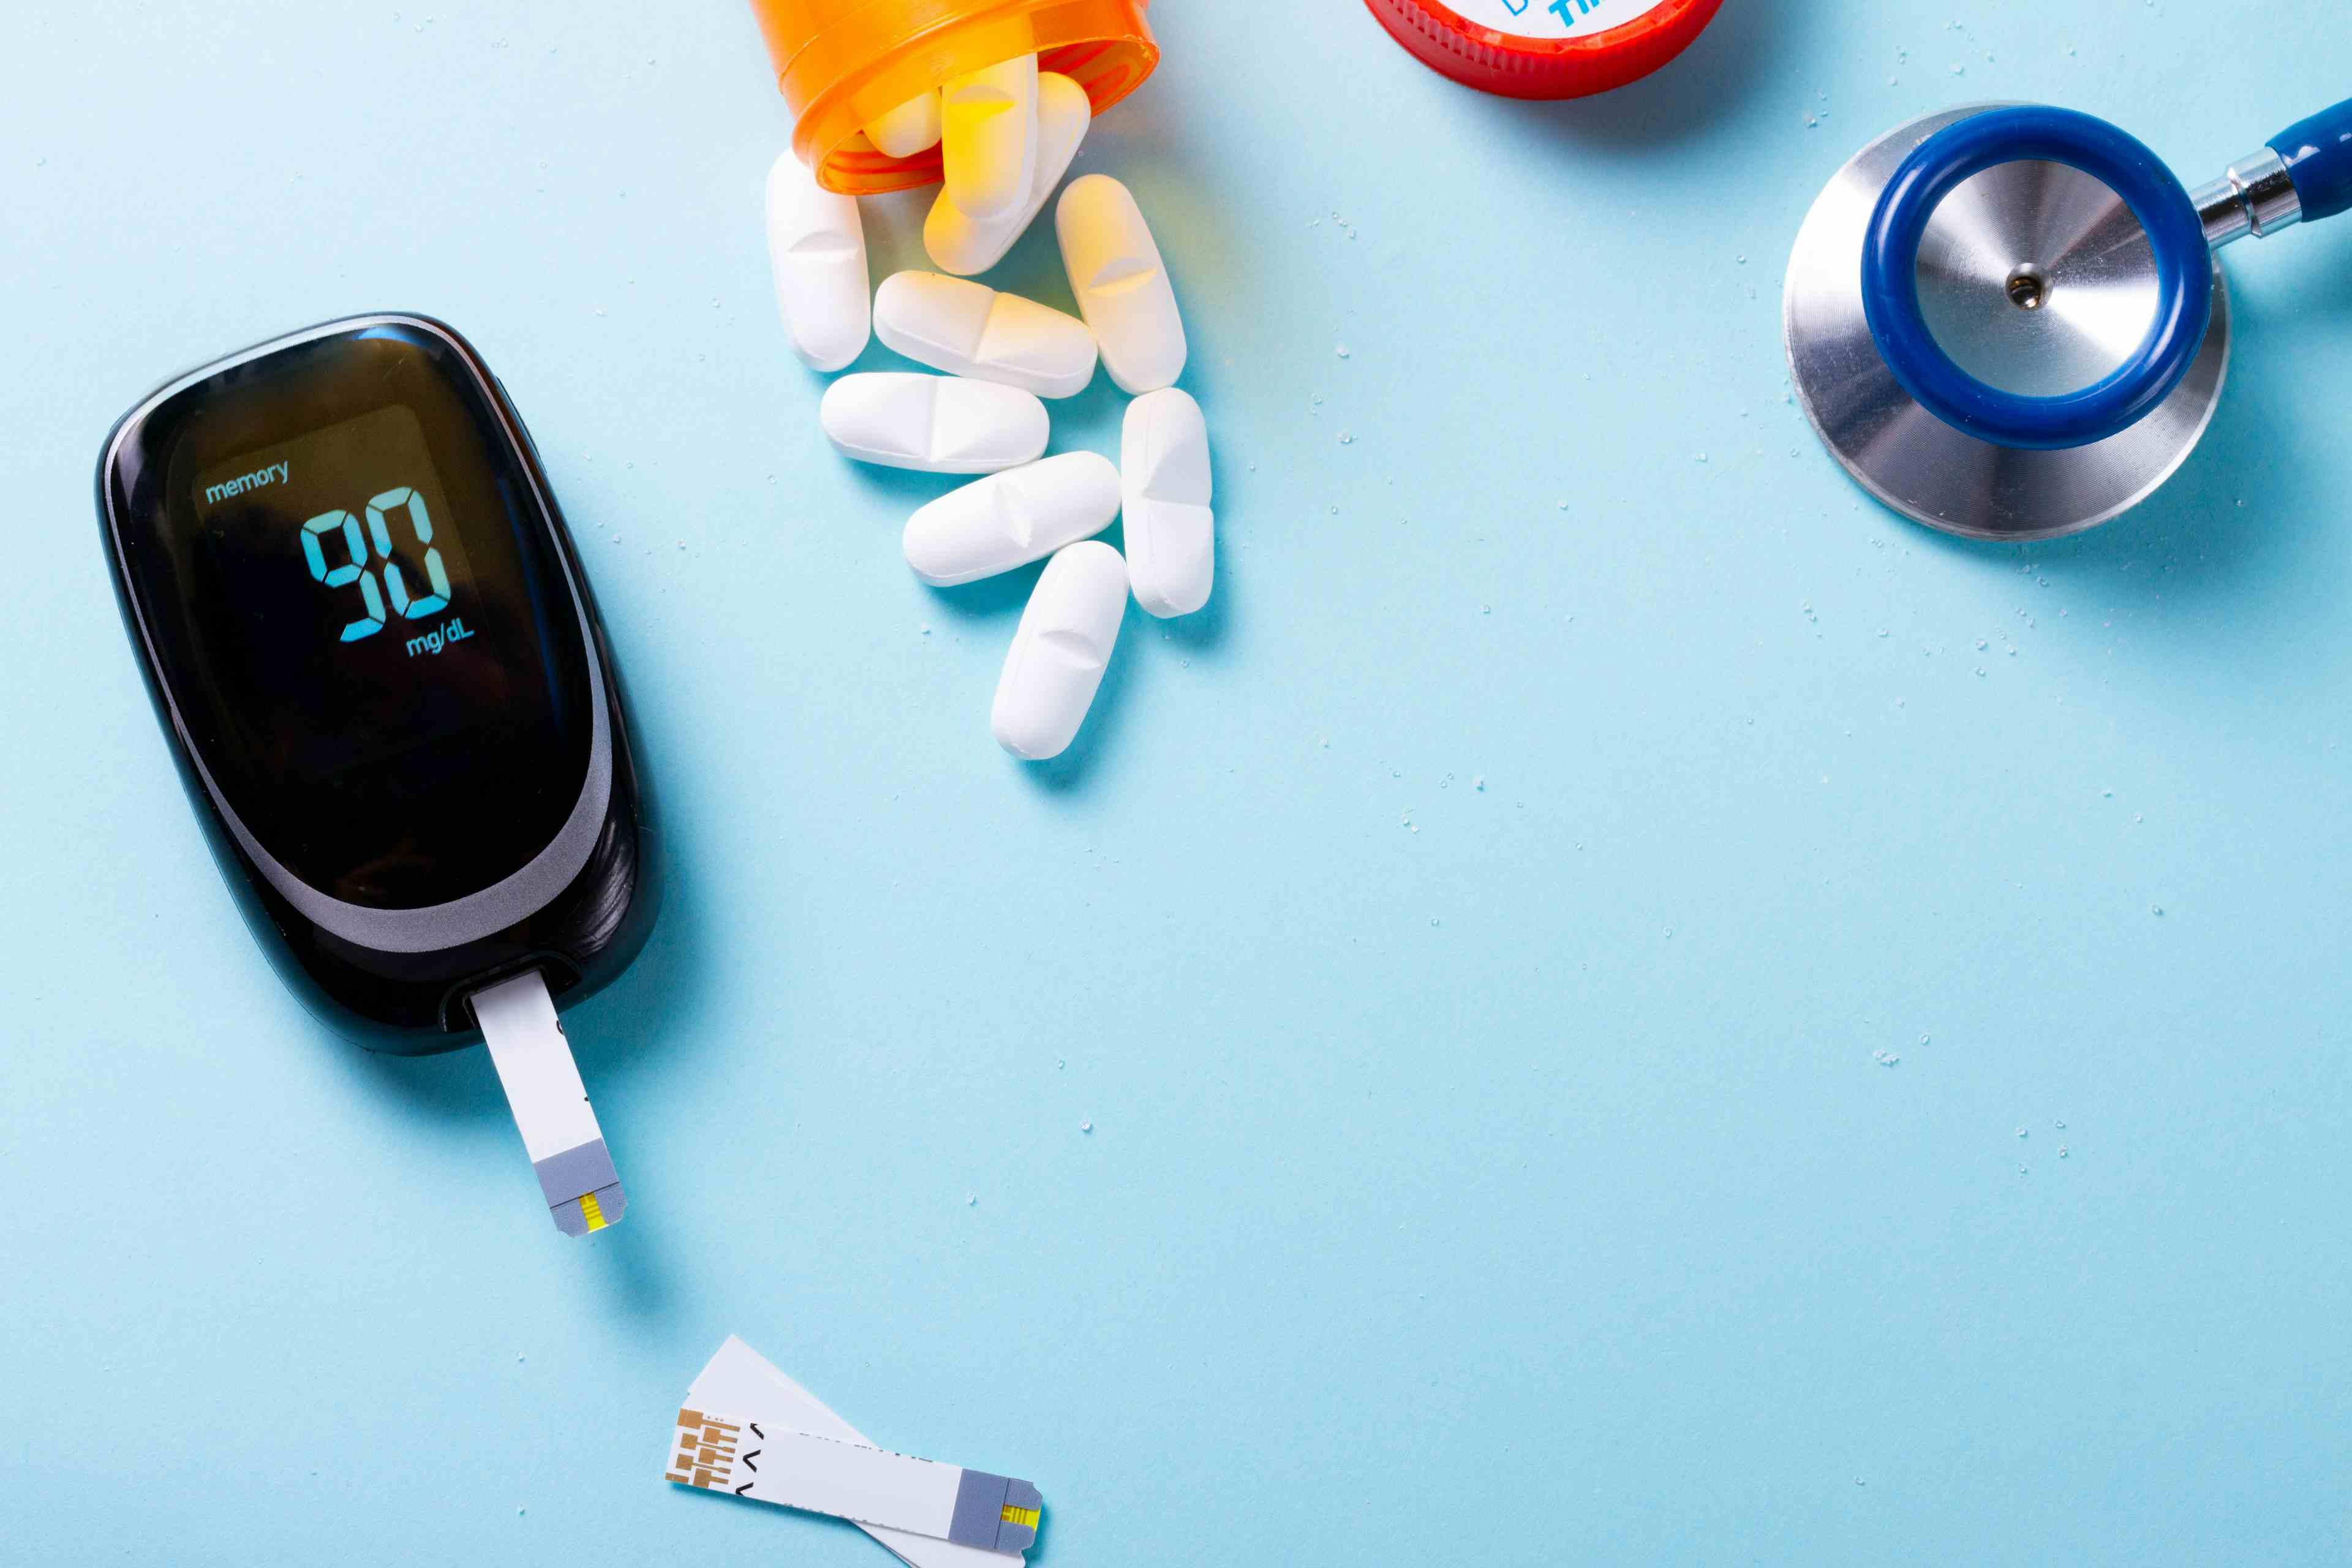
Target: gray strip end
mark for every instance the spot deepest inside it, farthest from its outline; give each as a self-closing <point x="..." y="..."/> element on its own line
<point x="979" y="1509"/>
<point x="583" y="1168"/>
<point x="1012" y="1537"/>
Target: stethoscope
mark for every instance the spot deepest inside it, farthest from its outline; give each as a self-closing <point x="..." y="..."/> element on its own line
<point x="2008" y="323"/>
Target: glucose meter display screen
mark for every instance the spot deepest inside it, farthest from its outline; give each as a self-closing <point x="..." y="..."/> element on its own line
<point x="366" y="621"/>
<point x="337" y="527"/>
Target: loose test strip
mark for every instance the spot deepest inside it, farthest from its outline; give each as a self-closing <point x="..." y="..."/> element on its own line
<point x="550" y="1104"/>
<point x="738" y="1377"/>
<point x="767" y="1462"/>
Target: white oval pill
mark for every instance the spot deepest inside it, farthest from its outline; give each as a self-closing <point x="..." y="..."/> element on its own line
<point x="1163" y="465"/>
<point x="1060" y="652"/>
<point x="913" y="127"/>
<point x="1120" y="283"/>
<point x="963" y="245"/>
<point x="937" y="424"/>
<point x="816" y="244"/>
<point x="987" y="137"/>
<point x="1011" y="519"/>
<point x="968" y="329"/>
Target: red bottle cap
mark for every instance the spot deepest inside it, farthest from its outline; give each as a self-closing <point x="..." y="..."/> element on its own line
<point x="1545" y="49"/>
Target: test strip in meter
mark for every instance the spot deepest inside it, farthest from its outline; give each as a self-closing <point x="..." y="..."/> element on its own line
<point x="550" y="1104"/>
<point x="766" y="1461"/>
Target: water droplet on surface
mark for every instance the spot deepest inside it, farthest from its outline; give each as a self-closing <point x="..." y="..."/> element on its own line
<point x="1086" y="1127"/>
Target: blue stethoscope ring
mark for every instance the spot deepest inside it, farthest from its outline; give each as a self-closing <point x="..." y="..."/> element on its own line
<point x="1890" y="290"/>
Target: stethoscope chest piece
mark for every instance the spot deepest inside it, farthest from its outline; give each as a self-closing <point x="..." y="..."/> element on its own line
<point x="2036" y="278"/>
<point x="2007" y="321"/>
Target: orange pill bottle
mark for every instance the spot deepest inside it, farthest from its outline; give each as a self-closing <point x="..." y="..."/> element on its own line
<point x="844" y="63"/>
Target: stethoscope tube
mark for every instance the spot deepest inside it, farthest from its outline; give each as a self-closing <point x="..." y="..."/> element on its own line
<point x="2317" y="152"/>
<point x="2306" y="175"/>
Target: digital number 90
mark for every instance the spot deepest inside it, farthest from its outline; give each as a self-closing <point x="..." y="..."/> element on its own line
<point x="345" y="527"/>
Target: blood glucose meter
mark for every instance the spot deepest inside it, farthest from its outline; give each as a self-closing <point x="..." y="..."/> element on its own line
<point x="381" y="672"/>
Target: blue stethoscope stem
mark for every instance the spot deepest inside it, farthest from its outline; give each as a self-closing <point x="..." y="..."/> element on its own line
<point x="2304" y="174"/>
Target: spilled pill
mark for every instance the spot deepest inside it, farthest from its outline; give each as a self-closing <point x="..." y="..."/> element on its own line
<point x="968" y="329"/>
<point x="1011" y="519"/>
<point x="816" y="246"/>
<point x="964" y="244"/>
<point x="937" y="424"/>
<point x="1060" y="651"/>
<point x="1163" y="464"/>
<point x="1121" y="284"/>
<point x="913" y="127"/>
<point x="987" y="137"/>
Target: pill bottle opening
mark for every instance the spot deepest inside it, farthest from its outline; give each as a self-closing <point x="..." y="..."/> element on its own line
<point x="842" y="64"/>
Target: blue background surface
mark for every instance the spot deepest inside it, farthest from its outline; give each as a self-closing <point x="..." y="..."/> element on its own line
<point x="1498" y="1175"/>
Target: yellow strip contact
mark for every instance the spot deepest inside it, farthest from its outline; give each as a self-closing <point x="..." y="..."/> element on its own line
<point x="591" y="1211"/>
<point x="1012" y="1515"/>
